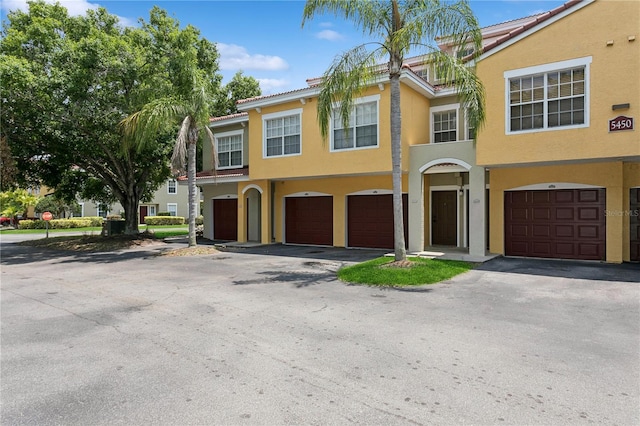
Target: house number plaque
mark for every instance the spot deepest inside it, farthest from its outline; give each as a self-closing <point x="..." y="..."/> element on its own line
<point x="621" y="123"/>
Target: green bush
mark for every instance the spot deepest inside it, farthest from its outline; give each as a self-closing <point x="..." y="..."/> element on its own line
<point x="163" y="220"/>
<point x="55" y="224"/>
<point x="164" y="214"/>
<point x="114" y="217"/>
<point x="95" y="220"/>
<point x="200" y="220"/>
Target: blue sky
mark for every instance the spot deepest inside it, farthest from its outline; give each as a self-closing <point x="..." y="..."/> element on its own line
<point x="265" y="38"/>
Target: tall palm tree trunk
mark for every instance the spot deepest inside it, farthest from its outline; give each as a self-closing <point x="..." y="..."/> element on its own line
<point x="396" y="168"/>
<point x="194" y="201"/>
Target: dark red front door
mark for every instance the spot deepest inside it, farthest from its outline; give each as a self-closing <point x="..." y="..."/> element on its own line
<point x="444" y="218"/>
<point x="144" y="211"/>
<point x="225" y="219"/>
<point x="564" y="224"/>
<point x="309" y="220"/>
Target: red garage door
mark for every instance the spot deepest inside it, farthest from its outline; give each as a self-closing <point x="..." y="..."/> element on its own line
<point x="565" y="224"/>
<point x="370" y="221"/>
<point x="225" y="219"/>
<point x="309" y="220"/>
<point x="634" y="222"/>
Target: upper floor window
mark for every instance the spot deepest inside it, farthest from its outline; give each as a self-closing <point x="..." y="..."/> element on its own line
<point x="282" y="133"/>
<point x="548" y="96"/>
<point x="362" y="130"/>
<point x="229" y="146"/>
<point x="172" y="186"/>
<point x="444" y="123"/>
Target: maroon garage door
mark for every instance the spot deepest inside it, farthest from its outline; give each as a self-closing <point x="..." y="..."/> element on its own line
<point x="565" y="224"/>
<point x="370" y="221"/>
<point x="634" y="220"/>
<point x="225" y="219"/>
<point x="309" y="220"/>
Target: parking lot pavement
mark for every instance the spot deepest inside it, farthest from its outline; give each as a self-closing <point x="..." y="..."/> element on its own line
<point x="256" y="338"/>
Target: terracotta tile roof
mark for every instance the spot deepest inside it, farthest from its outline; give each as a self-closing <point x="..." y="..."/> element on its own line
<point x="227" y="117"/>
<point x="534" y="21"/>
<point x="219" y="174"/>
<point x="222" y="174"/>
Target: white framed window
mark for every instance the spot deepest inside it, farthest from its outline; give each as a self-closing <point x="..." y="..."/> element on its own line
<point x="444" y="123"/>
<point x="172" y="208"/>
<point x="548" y="97"/>
<point x="229" y="148"/>
<point x="102" y="210"/>
<point x="282" y="133"/>
<point x="172" y="186"/>
<point x="470" y="130"/>
<point x="363" y="126"/>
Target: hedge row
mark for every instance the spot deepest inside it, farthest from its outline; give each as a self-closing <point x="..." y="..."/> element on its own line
<point x="56" y="223"/>
<point x="164" y="220"/>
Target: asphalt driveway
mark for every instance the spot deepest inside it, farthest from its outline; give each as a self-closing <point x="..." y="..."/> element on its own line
<point x="268" y="339"/>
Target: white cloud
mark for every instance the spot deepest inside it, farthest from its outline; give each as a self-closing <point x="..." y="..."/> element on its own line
<point x="272" y="85"/>
<point x="326" y="24"/>
<point x="74" y="7"/>
<point x="329" y="35"/>
<point x="234" y="57"/>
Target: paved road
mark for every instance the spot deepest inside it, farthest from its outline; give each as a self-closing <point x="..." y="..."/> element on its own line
<point x="242" y="338"/>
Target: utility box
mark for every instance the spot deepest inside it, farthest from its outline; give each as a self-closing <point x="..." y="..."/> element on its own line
<point x="113" y="227"/>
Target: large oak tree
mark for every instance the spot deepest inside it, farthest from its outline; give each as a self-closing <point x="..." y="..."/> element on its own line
<point x="68" y="81"/>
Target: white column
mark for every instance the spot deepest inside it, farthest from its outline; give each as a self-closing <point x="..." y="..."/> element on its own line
<point x="477" y="212"/>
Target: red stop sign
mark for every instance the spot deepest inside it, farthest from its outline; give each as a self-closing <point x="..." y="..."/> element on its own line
<point x="47" y="216"/>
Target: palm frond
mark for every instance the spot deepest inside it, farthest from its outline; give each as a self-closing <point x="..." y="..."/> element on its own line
<point x="214" y="151"/>
<point x="179" y="156"/>
<point x="347" y="77"/>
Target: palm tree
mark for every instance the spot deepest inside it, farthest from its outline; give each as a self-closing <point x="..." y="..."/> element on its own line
<point x="144" y="126"/>
<point x="399" y="26"/>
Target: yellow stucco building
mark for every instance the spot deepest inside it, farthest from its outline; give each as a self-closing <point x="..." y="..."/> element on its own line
<point x="555" y="171"/>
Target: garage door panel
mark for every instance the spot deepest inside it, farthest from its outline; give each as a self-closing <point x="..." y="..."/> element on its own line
<point x="370" y="221"/>
<point x="564" y="231"/>
<point x="309" y="220"/>
<point x="634" y="224"/>
<point x="564" y="196"/>
<point x="541" y="213"/>
<point x="586" y="196"/>
<point x="541" y="197"/>
<point x="557" y="223"/>
<point x="541" y="231"/>
<point x="565" y="213"/>
<point x="519" y="214"/>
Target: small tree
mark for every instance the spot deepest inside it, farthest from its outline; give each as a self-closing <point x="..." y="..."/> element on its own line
<point x="58" y="206"/>
<point x="15" y="202"/>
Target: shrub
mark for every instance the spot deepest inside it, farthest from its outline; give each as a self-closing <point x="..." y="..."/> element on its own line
<point x="95" y="220"/>
<point x="55" y="224"/>
<point x="114" y="217"/>
<point x="164" y="214"/>
<point x="200" y="220"/>
<point x="163" y="220"/>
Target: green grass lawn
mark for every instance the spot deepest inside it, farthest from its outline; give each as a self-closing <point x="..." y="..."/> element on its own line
<point x="156" y="229"/>
<point x="420" y="272"/>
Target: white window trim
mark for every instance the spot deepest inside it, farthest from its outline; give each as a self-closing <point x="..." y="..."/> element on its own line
<point x="541" y="69"/>
<point x="280" y="114"/>
<point x="442" y="108"/>
<point x="363" y="100"/>
<point x="169" y="186"/>
<point x="173" y="204"/>
<point x="467" y="126"/>
<point x="228" y="134"/>
<point x="107" y="212"/>
<point x="81" y="209"/>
